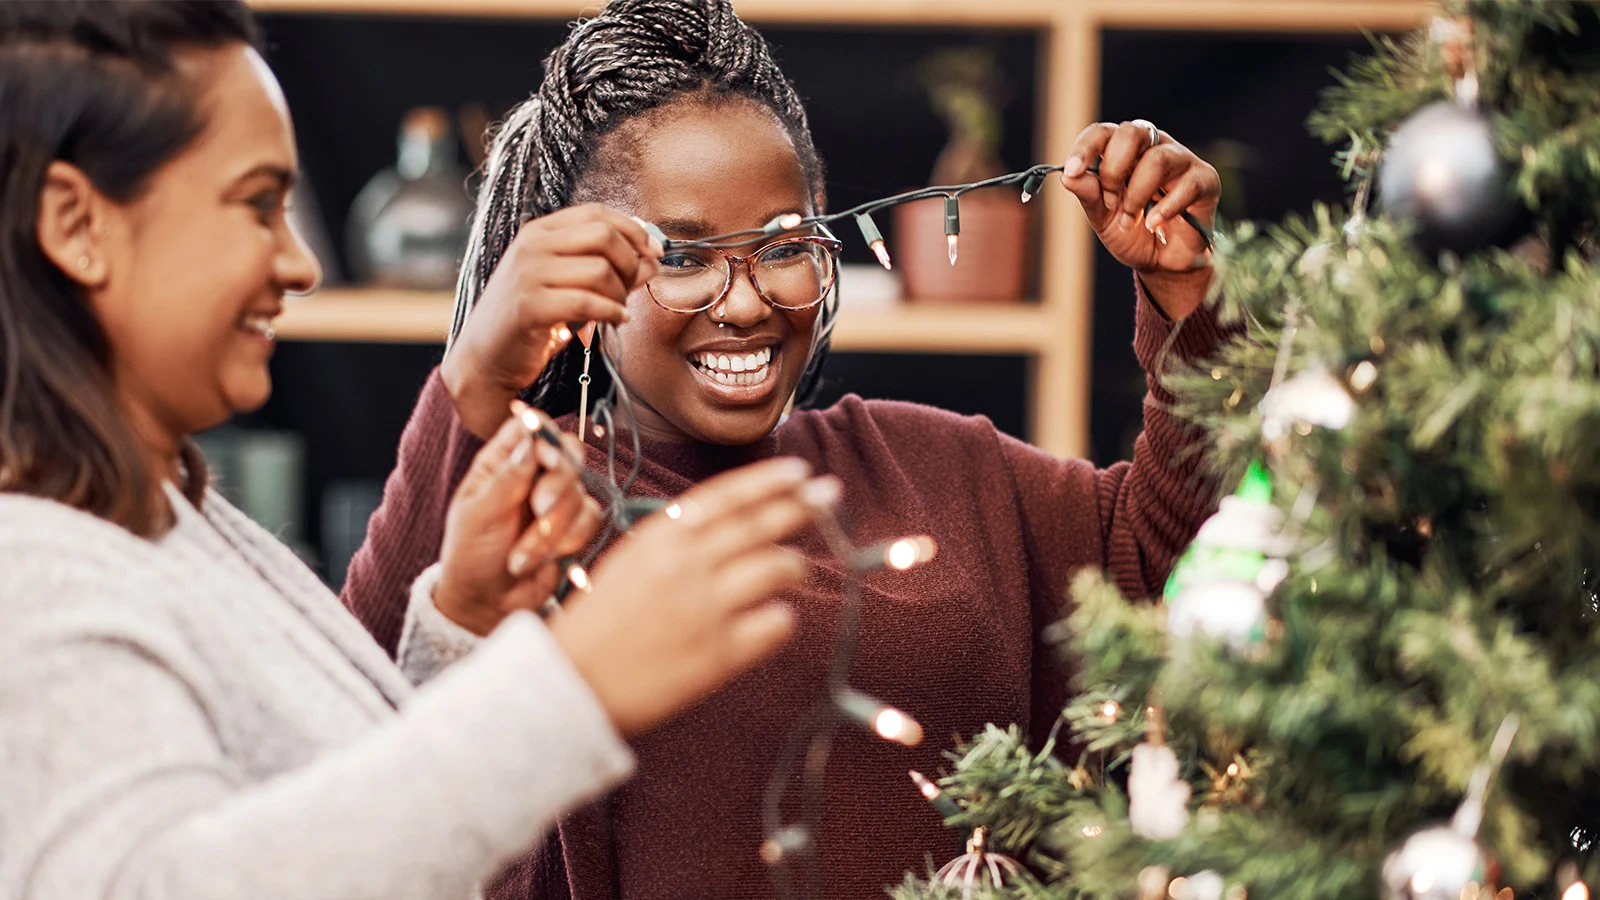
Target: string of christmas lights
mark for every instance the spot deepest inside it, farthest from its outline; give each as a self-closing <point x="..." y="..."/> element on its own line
<point x="1031" y="179"/>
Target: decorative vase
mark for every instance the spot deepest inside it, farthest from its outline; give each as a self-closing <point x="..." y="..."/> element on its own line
<point x="992" y="262"/>
<point x="408" y="226"/>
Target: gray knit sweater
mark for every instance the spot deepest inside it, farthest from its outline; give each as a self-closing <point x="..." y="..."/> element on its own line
<point x="198" y="717"/>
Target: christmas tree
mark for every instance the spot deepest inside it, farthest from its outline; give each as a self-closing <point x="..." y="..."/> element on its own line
<point x="1376" y="673"/>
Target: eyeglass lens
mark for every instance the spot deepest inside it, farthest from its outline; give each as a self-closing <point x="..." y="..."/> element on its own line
<point x="790" y="275"/>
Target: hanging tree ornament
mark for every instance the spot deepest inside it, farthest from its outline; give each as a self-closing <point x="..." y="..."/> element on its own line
<point x="1312" y="398"/>
<point x="1158" y="798"/>
<point x="1219" y="587"/>
<point x="979" y="866"/>
<point x="1444" y="862"/>
<point x="1441" y="170"/>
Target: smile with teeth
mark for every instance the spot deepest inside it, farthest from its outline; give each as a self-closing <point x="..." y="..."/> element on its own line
<point x="735" y="369"/>
<point x="257" y="324"/>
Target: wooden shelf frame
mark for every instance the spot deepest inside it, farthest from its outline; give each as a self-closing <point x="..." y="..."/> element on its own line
<point x="1057" y="332"/>
<point x="423" y="317"/>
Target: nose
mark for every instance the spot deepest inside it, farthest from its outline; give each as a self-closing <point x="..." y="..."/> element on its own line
<point x="743" y="307"/>
<point x="297" y="267"/>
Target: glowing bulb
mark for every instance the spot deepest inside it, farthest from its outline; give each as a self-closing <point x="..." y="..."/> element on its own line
<point x="1577" y="891"/>
<point x="1233" y="769"/>
<point x="1091" y="831"/>
<point x="599" y="431"/>
<point x="1364" y="375"/>
<point x="882" y="252"/>
<point x="1422" y="882"/>
<point x="1179" y="888"/>
<point x="912" y="551"/>
<point x="578" y="577"/>
<point x="563" y="334"/>
<point x="950" y="240"/>
<point x="790" y="220"/>
<point x="894" y="725"/>
<point x="1110" y="710"/>
<point x="928" y="788"/>
<point x="674" y="511"/>
<point x="887" y="722"/>
<point x="952" y="224"/>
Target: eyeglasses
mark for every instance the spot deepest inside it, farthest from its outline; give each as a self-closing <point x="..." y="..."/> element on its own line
<point x="792" y="273"/>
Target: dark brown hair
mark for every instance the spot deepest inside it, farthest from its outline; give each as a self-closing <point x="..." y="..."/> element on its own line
<point x="93" y="83"/>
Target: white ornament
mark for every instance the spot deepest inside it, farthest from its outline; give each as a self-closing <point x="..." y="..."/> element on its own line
<point x="1158" y="800"/>
<point x="1433" y="864"/>
<point x="1313" y="397"/>
<point x="1204" y="885"/>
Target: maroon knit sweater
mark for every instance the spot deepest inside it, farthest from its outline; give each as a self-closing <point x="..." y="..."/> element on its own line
<point x="956" y="643"/>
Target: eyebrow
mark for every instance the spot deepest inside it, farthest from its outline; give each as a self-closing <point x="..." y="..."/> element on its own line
<point x="284" y="177"/>
<point x="697" y="228"/>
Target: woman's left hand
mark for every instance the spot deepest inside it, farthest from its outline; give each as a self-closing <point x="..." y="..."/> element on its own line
<point x="1137" y="165"/>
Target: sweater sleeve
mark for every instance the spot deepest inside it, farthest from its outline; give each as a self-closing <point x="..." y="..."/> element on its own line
<point x="117" y="787"/>
<point x="406" y="532"/>
<point x="1146" y="510"/>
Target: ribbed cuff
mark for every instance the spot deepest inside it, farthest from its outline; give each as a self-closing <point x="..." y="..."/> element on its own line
<point x="430" y="641"/>
<point x="1198" y="336"/>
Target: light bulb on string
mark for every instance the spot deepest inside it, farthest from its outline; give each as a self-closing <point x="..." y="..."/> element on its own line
<point x="882" y="719"/>
<point x="900" y="554"/>
<point x="1032" y="185"/>
<point x="784" y="843"/>
<point x="874" y="238"/>
<point x="952" y="224"/>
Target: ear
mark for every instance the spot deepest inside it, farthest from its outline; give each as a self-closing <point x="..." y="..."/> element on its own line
<point x="73" y="224"/>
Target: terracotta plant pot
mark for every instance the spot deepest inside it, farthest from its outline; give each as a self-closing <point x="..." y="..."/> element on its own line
<point x="992" y="263"/>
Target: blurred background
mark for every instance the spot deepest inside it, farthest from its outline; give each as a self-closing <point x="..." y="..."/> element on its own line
<point x="391" y="97"/>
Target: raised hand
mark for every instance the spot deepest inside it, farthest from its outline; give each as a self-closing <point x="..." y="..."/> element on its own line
<point x="1116" y="171"/>
<point x="518" y="511"/>
<point x="683" y="604"/>
<point x="575" y="265"/>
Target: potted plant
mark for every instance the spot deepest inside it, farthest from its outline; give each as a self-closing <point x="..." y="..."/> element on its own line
<point x="965" y="87"/>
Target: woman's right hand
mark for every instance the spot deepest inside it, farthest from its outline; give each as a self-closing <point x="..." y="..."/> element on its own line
<point x="575" y="265"/>
<point x="682" y="604"/>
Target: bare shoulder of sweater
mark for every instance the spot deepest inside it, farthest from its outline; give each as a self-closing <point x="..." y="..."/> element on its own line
<point x="174" y="725"/>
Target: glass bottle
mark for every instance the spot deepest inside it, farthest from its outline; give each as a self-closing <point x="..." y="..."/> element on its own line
<point x="408" y="226"/>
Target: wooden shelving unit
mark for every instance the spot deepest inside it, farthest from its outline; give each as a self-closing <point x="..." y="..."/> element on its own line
<point x="1056" y="331"/>
<point x="421" y="317"/>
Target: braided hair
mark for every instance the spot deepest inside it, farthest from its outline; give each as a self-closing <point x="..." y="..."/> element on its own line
<point x="635" y="57"/>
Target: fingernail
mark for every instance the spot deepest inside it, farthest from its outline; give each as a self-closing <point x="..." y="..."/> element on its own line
<point x="791" y="469"/>
<point x="517" y="406"/>
<point x="517" y="564"/>
<point x="1111" y="201"/>
<point x="1125" y="221"/>
<point x="626" y="316"/>
<point x="821" y="493"/>
<point x="1153" y="221"/>
<point x="544" y="527"/>
<point x="519" y="455"/>
<point x="1073" y="167"/>
<point x="544" y="500"/>
<point x="549" y="456"/>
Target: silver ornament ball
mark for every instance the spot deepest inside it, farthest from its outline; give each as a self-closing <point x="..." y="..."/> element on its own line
<point x="1436" y="863"/>
<point x="1442" y="172"/>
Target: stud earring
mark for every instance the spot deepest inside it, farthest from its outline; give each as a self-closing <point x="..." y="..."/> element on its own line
<point x="83" y="262"/>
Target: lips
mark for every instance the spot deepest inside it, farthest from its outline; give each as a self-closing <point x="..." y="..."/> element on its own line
<point x="258" y="323"/>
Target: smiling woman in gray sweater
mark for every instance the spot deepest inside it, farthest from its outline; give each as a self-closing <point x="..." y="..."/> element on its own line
<point x="185" y="711"/>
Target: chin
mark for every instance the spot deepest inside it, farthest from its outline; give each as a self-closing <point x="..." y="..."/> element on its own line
<point x="737" y="428"/>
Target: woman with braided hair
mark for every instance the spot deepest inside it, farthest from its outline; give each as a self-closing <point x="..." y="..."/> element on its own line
<point x="673" y="112"/>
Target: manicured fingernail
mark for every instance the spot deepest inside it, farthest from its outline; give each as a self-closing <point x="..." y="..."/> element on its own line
<point x="517" y="406"/>
<point x="549" y="456"/>
<point x="821" y="493"/>
<point x="1073" y="167"/>
<point x="517" y="564"/>
<point x="791" y="469"/>
<point x="544" y="500"/>
<point x="1153" y="221"/>
<point x="519" y="455"/>
<point x="1111" y="201"/>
